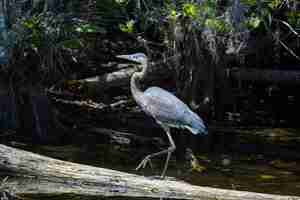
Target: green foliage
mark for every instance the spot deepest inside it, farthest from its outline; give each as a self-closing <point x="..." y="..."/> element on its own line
<point x="208" y="8"/>
<point x="86" y="28"/>
<point x="218" y="25"/>
<point x="127" y="27"/>
<point x="266" y="177"/>
<point x="190" y="10"/>
<point x="253" y="22"/>
<point x="272" y="4"/>
<point x="260" y="16"/>
<point x="294" y="18"/>
<point x="173" y="15"/>
<point x="249" y="2"/>
<point x="112" y="13"/>
<point x="204" y="15"/>
<point x="34" y="27"/>
<point x="44" y="41"/>
<point x="44" y="30"/>
<point x="200" y="15"/>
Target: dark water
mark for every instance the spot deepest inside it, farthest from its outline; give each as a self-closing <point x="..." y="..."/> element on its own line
<point x="274" y="170"/>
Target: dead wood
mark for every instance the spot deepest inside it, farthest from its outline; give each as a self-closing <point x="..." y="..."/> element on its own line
<point x="43" y="175"/>
<point x="121" y="78"/>
<point x="92" y="105"/>
<point x="114" y="79"/>
<point x="51" y="92"/>
<point x="126" y="138"/>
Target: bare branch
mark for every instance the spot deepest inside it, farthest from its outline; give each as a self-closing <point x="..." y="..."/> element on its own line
<point x="289" y="26"/>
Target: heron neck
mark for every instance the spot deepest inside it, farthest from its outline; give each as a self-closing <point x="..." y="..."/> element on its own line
<point x="144" y="71"/>
<point x="135" y="85"/>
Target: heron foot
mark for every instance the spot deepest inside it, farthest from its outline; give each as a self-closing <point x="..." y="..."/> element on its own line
<point x="144" y="162"/>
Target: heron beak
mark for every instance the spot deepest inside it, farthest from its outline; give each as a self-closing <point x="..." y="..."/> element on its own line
<point x="127" y="57"/>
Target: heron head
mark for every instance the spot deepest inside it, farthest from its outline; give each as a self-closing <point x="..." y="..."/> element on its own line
<point x="136" y="57"/>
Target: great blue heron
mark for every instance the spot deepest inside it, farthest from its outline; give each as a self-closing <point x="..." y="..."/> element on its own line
<point x="164" y="107"/>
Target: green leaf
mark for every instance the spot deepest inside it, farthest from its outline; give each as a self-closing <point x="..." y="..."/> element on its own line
<point x="87" y="28"/>
<point x="128" y="27"/>
<point x="253" y="22"/>
<point x="294" y="18"/>
<point x="173" y="15"/>
<point x="207" y="9"/>
<point x="274" y="4"/>
<point x="249" y="2"/>
<point x="266" y="177"/>
<point x="190" y="10"/>
<point x="218" y="25"/>
<point x="28" y="24"/>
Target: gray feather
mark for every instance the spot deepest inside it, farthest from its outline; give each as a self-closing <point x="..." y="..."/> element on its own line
<point x="168" y="109"/>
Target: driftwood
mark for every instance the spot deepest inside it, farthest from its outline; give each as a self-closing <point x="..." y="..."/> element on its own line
<point x="266" y="75"/>
<point x="42" y="175"/>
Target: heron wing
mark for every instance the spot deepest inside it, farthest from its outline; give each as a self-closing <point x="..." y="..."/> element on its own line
<point x="165" y="107"/>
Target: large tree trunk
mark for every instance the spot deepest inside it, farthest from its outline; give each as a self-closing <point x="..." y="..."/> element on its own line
<point x="51" y="176"/>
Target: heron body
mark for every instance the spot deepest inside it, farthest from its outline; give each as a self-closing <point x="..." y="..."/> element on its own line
<point x="164" y="107"/>
<point x="169" y="110"/>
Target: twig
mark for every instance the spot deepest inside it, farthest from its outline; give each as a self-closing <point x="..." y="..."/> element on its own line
<point x="289" y="26"/>
<point x="287" y="48"/>
<point x="64" y="94"/>
<point x="282" y="43"/>
<point x="91" y="104"/>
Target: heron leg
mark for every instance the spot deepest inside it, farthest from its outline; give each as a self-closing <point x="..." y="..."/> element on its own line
<point x="169" y="151"/>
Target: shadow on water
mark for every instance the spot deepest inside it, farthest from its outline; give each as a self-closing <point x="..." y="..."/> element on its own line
<point x="274" y="166"/>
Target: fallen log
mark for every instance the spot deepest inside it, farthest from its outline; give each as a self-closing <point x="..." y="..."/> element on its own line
<point x="121" y="78"/>
<point x="114" y="79"/>
<point x="157" y="72"/>
<point x="289" y="77"/>
<point x="51" y="176"/>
